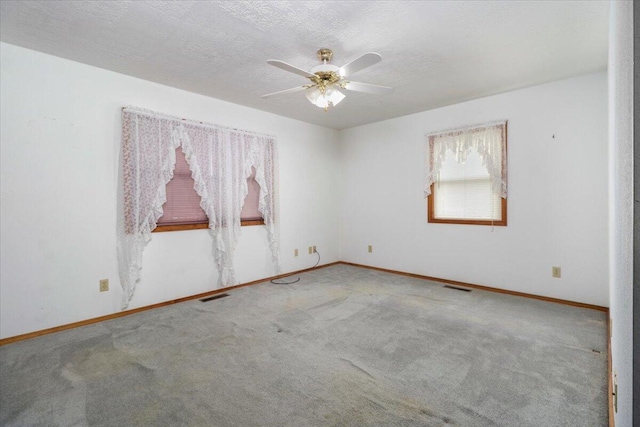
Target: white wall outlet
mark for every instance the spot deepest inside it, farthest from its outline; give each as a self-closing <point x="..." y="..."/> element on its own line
<point x="556" y="272"/>
<point x="370" y="249"/>
<point x="310" y="250"/>
<point x="104" y="285"/>
<point x="295" y="252"/>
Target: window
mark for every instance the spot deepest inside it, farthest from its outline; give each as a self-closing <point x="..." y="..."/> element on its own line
<point x="219" y="157"/>
<point x="467" y="179"/>
<point x="182" y="209"/>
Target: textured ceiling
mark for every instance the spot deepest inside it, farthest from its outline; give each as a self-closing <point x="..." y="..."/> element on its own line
<point x="434" y="53"/>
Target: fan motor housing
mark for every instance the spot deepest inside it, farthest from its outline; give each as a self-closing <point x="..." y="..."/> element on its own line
<point x="325" y="68"/>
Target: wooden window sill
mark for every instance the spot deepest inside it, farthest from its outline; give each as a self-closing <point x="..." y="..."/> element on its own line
<point x="497" y="223"/>
<point x="201" y="226"/>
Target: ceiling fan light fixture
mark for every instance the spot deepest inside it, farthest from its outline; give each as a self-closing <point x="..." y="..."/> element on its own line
<point x="330" y="96"/>
<point x="327" y="78"/>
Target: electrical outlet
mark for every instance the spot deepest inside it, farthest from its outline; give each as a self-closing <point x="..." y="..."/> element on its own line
<point x="370" y="248"/>
<point x="314" y="250"/>
<point x="556" y="272"/>
<point x="310" y="250"/>
<point x="104" y="285"/>
<point x="295" y="252"/>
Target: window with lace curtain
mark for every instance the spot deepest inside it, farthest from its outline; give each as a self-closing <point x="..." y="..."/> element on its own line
<point x="466" y="183"/>
<point x="220" y="159"/>
<point x="182" y="209"/>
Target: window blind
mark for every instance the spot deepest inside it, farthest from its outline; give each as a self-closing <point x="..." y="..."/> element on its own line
<point x="250" y="210"/>
<point x="183" y="203"/>
<point x="464" y="190"/>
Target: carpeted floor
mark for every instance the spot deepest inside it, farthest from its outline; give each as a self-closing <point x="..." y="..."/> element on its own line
<point x="345" y="346"/>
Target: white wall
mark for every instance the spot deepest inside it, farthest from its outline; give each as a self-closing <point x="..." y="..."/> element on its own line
<point x="341" y="191"/>
<point x="59" y="150"/>
<point x="621" y="202"/>
<point x="557" y="204"/>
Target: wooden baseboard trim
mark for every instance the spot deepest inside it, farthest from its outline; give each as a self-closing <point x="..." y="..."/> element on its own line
<point x="42" y="332"/>
<point x="482" y="287"/>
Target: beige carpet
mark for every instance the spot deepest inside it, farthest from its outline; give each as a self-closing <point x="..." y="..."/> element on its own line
<point x="345" y="346"/>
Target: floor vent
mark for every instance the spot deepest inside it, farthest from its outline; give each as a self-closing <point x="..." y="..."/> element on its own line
<point x="211" y="298"/>
<point x="456" y="288"/>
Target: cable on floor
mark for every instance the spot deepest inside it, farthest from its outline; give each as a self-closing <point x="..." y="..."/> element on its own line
<point x="298" y="279"/>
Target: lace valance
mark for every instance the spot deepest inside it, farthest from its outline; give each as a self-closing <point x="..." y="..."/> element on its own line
<point x="220" y="158"/>
<point x="488" y="139"/>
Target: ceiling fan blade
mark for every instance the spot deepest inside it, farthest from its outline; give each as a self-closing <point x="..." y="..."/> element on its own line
<point x="359" y="63"/>
<point x="290" y="68"/>
<point x="368" y="88"/>
<point x="293" y="89"/>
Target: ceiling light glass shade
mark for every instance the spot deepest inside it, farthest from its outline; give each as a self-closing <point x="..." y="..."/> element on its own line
<point x="322" y="100"/>
<point x="313" y="93"/>
<point x="334" y="96"/>
<point x="316" y="97"/>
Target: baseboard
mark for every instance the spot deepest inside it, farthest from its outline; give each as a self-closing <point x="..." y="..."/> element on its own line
<point x="482" y="287"/>
<point x="149" y="307"/>
<point x="217" y="291"/>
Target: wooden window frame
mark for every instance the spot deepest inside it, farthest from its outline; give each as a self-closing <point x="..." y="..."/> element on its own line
<point x="431" y="218"/>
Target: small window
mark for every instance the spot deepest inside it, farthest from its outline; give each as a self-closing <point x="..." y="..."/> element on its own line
<point x="182" y="209"/>
<point x="462" y="189"/>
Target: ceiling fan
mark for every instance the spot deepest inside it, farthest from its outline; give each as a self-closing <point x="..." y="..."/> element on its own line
<point x="327" y="78"/>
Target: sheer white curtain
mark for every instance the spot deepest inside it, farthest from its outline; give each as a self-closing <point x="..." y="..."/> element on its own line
<point x="489" y="140"/>
<point x="220" y="160"/>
